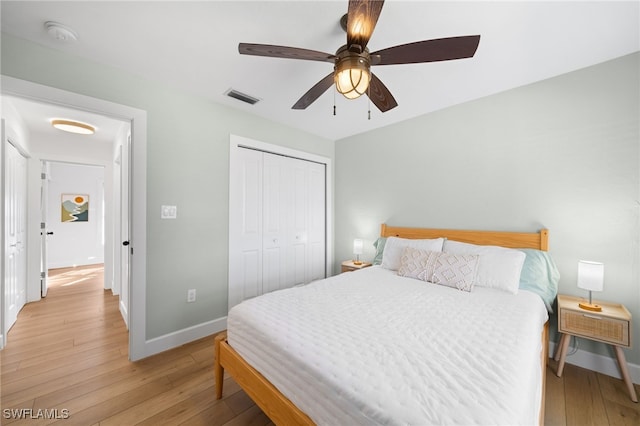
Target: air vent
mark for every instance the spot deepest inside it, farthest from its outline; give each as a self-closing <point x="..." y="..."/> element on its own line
<point x="241" y="96"/>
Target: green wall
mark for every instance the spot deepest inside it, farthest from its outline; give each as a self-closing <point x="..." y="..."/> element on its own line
<point x="187" y="166"/>
<point x="561" y="154"/>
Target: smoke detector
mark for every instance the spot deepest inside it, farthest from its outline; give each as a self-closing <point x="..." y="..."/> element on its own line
<point x="60" y="32"/>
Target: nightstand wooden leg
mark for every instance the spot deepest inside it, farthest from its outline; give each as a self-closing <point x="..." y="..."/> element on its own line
<point x="556" y="353"/>
<point x="563" y="353"/>
<point x="622" y="363"/>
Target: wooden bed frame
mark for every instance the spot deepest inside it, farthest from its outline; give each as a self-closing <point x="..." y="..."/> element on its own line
<point x="281" y="410"/>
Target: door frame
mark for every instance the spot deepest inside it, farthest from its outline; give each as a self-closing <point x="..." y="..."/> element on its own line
<point x="138" y="346"/>
<point x="111" y="243"/>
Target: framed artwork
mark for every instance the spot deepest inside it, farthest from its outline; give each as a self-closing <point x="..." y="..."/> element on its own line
<point x="75" y="208"/>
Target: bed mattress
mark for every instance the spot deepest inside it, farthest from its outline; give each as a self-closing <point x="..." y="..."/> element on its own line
<point x="370" y="347"/>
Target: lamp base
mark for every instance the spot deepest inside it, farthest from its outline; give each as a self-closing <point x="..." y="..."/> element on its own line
<point x="357" y="262"/>
<point x="590" y="306"/>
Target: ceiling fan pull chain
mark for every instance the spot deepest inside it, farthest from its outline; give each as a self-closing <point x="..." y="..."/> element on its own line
<point x="369" y="101"/>
<point x="334" y="101"/>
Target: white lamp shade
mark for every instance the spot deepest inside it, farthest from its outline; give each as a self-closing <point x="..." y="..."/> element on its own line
<point x="357" y="246"/>
<point x="590" y="275"/>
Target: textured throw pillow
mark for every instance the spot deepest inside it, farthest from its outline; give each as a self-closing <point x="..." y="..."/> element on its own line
<point x="416" y="263"/>
<point x="498" y="267"/>
<point x="455" y="270"/>
<point x="452" y="270"/>
<point x="394" y="246"/>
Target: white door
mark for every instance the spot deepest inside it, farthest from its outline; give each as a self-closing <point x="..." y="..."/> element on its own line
<point x="15" y="200"/>
<point x="44" y="232"/>
<point x="297" y="216"/>
<point x="277" y="227"/>
<point x="307" y="224"/>
<point x="124" y="231"/>
<point x="274" y="233"/>
<point x="245" y="226"/>
<point x="316" y="222"/>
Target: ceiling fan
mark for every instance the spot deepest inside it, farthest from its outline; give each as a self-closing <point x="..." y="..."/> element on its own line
<point x="352" y="62"/>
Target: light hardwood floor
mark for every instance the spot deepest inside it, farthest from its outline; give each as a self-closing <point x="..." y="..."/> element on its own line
<point x="68" y="355"/>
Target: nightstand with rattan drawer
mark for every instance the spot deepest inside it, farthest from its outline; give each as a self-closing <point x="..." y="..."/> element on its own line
<point x="612" y="325"/>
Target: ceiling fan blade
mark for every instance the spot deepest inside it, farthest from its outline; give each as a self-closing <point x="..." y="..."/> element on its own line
<point x="361" y="21"/>
<point x="380" y="95"/>
<point x="284" y="52"/>
<point x="442" y="49"/>
<point x="314" y="93"/>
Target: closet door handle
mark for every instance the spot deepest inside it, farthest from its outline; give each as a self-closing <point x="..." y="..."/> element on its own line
<point x="125" y="243"/>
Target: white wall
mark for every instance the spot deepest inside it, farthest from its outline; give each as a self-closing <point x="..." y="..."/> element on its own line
<point x="15" y="128"/>
<point x="75" y="243"/>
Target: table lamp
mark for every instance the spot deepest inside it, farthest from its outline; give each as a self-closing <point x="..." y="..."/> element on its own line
<point x="590" y="277"/>
<point x="357" y="250"/>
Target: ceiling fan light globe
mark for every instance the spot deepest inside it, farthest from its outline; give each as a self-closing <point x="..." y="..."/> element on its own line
<point x="352" y="82"/>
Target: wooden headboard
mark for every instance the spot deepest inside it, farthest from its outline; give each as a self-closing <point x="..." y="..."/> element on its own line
<point x="535" y="240"/>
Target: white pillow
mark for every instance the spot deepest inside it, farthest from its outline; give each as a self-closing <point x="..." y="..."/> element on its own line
<point x="499" y="267"/>
<point x="394" y="246"/>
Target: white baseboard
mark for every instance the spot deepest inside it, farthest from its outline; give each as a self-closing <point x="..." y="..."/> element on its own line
<point x="181" y="337"/>
<point x="600" y="363"/>
<point x="124" y="313"/>
<point x="1" y="341"/>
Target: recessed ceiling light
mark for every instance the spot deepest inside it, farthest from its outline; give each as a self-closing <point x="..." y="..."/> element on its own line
<point x="60" y="32"/>
<point x="73" y="127"/>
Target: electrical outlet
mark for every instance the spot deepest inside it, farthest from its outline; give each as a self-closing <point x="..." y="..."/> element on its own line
<point x="168" y="212"/>
<point x="191" y="295"/>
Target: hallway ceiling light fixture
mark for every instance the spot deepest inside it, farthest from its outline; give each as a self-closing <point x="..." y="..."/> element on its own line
<point x="73" y="126"/>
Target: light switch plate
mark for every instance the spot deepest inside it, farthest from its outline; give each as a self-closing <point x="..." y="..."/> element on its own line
<point x="168" y="212"/>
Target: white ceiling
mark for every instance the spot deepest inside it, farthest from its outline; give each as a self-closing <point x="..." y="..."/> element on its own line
<point x="193" y="46"/>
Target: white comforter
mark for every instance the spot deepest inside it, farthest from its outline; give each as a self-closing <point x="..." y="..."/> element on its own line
<point x="370" y="347"/>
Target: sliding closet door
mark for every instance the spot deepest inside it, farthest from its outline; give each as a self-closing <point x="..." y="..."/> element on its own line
<point x="307" y="222"/>
<point x="277" y="228"/>
<point x="317" y="222"/>
<point x="245" y="225"/>
<point x="276" y="202"/>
